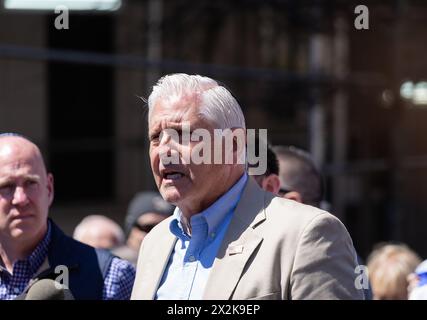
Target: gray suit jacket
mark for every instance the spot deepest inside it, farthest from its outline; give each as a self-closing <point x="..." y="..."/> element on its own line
<point x="273" y="249"/>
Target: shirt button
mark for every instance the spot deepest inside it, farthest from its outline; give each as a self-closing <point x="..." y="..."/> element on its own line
<point x="213" y="235"/>
<point x="16" y="290"/>
<point x="192" y="258"/>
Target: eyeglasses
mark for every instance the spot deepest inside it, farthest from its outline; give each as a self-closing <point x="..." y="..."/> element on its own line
<point x="283" y="191"/>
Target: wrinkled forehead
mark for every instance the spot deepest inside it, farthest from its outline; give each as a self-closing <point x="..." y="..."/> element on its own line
<point x="173" y="109"/>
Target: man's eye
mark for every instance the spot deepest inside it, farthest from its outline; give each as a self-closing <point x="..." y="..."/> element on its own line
<point x="6" y="187"/>
<point x="30" y="183"/>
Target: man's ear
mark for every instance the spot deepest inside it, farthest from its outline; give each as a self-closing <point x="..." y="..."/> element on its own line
<point x="50" y="188"/>
<point x="293" y="195"/>
<point x="271" y="183"/>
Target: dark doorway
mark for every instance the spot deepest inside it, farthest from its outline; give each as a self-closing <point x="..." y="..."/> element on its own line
<point x="80" y="99"/>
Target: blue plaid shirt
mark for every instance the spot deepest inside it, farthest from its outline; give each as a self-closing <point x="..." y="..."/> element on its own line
<point x="117" y="284"/>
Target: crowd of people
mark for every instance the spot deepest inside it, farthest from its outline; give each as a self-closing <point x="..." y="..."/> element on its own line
<point x="212" y="231"/>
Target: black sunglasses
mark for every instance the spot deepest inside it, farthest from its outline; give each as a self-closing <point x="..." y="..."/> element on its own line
<point x="144" y="228"/>
<point x="283" y="191"/>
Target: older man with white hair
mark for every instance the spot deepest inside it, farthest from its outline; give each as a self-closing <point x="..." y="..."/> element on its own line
<point x="228" y="238"/>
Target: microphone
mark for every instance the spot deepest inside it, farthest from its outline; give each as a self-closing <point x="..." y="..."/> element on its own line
<point x="47" y="289"/>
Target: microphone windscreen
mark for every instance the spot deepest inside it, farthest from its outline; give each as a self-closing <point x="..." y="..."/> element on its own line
<point x="47" y="289"/>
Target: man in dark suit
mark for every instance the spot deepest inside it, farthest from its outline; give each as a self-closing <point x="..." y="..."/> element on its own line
<point x="32" y="247"/>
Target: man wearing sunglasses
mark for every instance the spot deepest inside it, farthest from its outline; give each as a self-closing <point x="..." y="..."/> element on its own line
<point x="145" y="211"/>
<point x="300" y="180"/>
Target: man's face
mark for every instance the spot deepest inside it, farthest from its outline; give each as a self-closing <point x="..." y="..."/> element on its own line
<point x="189" y="186"/>
<point x="26" y="190"/>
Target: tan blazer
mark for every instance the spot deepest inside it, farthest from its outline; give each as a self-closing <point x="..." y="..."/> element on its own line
<point x="273" y="249"/>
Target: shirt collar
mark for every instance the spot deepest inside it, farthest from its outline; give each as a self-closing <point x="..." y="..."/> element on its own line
<point x="214" y="214"/>
<point x="38" y="255"/>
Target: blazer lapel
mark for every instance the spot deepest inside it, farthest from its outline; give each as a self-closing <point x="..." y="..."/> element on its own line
<point x="153" y="267"/>
<point x="238" y="244"/>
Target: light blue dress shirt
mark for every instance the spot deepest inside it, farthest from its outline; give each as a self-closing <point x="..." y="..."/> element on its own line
<point x="191" y="261"/>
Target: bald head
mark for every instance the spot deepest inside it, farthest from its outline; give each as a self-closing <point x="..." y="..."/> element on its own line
<point x="26" y="191"/>
<point x="16" y="146"/>
<point x="100" y="232"/>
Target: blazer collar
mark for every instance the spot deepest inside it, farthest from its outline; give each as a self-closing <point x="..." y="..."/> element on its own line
<point x="155" y="264"/>
<point x="238" y="245"/>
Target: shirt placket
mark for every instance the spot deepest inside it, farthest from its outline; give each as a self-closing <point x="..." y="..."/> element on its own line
<point x="192" y="256"/>
<point x="19" y="279"/>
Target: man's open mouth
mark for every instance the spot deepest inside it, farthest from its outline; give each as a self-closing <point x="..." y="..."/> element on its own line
<point x="173" y="176"/>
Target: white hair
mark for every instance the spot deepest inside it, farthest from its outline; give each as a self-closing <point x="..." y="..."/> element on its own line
<point x="94" y="224"/>
<point x="216" y="103"/>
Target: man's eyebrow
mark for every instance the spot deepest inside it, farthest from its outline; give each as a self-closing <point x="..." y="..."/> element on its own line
<point x="33" y="177"/>
<point x="174" y="126"/>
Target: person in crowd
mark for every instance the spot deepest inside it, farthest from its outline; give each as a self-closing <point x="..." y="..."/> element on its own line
<point x="417" y="283"/>
<point x="99" y="231"/>
<point x="269" y="180"/>
<point x="300" y="180"/>
<point x="145" y="211"/>
<point x="228" y="238"/>
<point x="32" y="246"/>
<point x="389" y="266"/>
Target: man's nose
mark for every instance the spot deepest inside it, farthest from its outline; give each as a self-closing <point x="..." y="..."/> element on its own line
<point x="20" y="196"/>
<point x="168" y="146"/>
<point x="165" y="143"/>
<point x="169" y="137"/>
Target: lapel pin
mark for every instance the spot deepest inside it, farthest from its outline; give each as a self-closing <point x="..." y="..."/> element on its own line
<point x="235" y="250"/>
